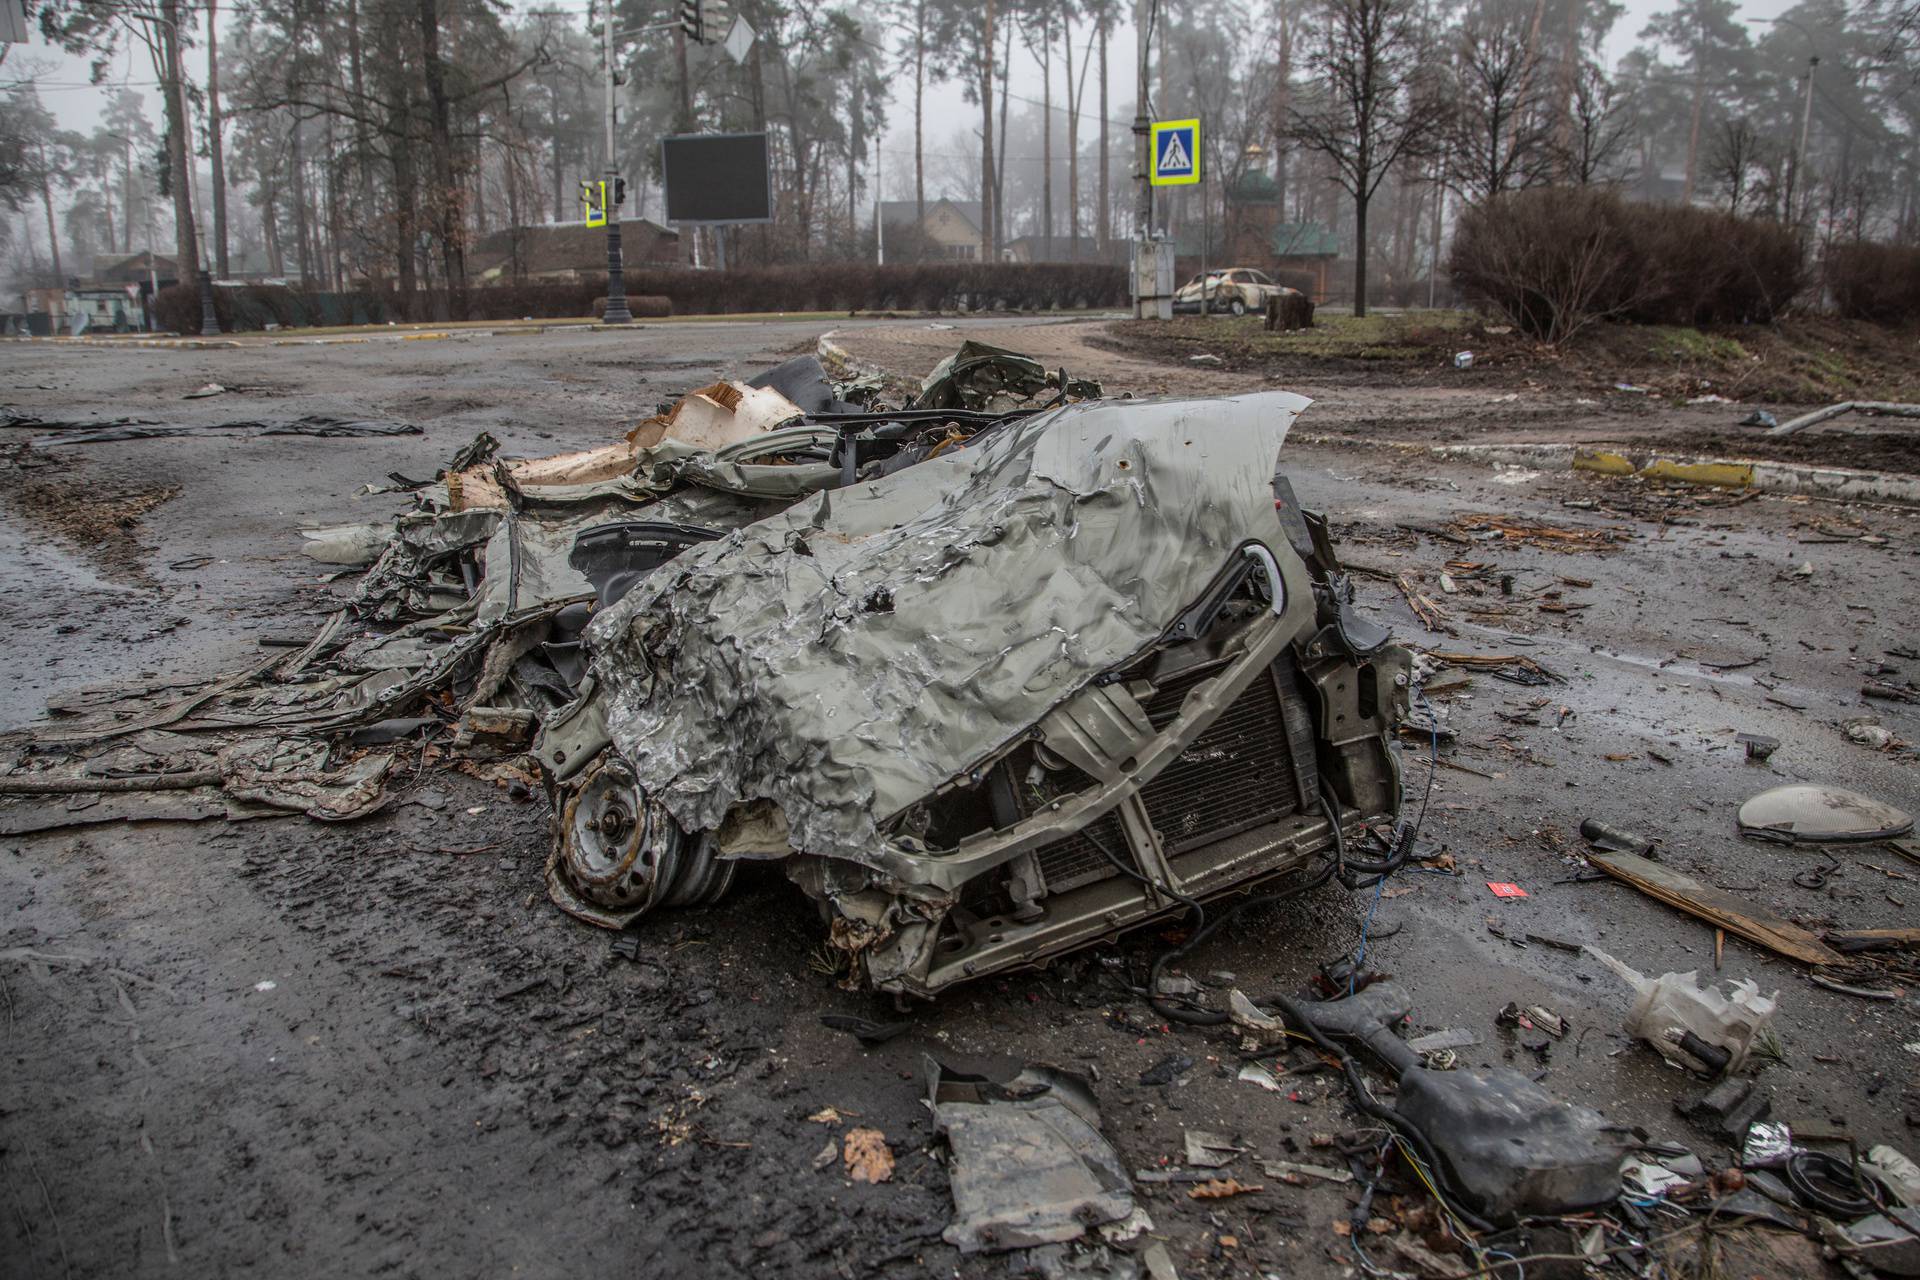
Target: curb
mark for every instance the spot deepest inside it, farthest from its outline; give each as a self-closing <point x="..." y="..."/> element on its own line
<point x="1841" y="483"/>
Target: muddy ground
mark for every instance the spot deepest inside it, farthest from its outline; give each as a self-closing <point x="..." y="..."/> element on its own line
<point x="1676" y="390"/>
<point x="284" y="1048"/>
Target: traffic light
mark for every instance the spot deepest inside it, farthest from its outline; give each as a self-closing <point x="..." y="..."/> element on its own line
<point x="619" y="192"/>
<point x="705" y="21"/>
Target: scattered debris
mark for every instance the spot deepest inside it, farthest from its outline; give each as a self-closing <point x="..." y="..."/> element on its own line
<point x="1503" y="889"/>
<point x="1206" y="1150"/>
<point x="1533" y="1017"/>
<point x="1875" y="407"/>
<point x="1434" y="1042"/>
<point x="1521" y="531"/>
<point x="1809" y="813"/>
<point x="1759" y="418"/>
<point x="1029" y="1165"/>
<point x="1760" y="747"/>
<point x="1508" y="1145"/>
<point x="1167" y="1070"/>
<point x="1292" y="1171"/>
<point x="1649" y="1179"/>
<point x="1692" y="1026"/>
<point x="319" y="425"/>
<point x="867" y="1156"/>
<point x="1716" y="906"/>
<point x="1254" y="1073"/>
<point x="1729" y="1109"/>
<point x="1871" y="733"/>
<point x="1221" y="1189"/>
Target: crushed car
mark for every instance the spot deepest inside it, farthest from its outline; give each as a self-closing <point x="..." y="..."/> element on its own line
<point x="986" y="699"/>
<point x="991" y="674"/>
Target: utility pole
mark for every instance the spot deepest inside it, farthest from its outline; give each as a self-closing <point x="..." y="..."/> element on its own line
<point x="1800" y="152"/>
<point x="1146" y="275"/>
<point x="617" y="312"/>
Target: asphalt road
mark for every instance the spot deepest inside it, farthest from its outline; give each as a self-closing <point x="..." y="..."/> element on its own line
<point x="278" y="1047"/>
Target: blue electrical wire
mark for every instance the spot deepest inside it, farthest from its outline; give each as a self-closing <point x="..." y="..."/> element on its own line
<point x="1360" y="956"/>
<point x="1379" y="886"/>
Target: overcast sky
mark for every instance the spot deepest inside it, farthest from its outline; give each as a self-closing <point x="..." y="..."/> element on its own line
<point x="67" y="93"/>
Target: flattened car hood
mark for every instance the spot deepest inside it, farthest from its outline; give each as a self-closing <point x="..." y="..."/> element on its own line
<point x="844" y="658"/>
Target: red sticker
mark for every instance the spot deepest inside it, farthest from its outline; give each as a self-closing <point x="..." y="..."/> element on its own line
<point x="1503" y="890"/>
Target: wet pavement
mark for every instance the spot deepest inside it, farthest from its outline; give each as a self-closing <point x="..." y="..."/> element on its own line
<point x="377" y="1047"/>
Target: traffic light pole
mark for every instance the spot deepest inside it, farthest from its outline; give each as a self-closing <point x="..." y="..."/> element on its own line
<point x="617" y="312"/>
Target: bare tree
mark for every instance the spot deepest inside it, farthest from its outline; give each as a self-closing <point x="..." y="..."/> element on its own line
<point x="1731" y="158"/>
<point x="1599" y="129"/>
<point x="1499" y="130"/>
<point x="1371" y="106"/>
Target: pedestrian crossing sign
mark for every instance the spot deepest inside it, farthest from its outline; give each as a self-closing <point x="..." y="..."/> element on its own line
<point x="1176" y="153"/>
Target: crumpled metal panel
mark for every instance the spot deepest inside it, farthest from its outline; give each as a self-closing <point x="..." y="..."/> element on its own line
<point x="847" y="656"/>
<point x="1030" y="1165"/>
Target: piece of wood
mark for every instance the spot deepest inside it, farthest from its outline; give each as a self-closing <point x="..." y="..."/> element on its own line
<point x="1874" y="939"/>
<point x="1719" y="946"/>
<point x="1717" y="907"/>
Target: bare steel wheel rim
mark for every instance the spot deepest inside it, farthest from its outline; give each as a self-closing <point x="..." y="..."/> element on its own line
<point x="620" y="851"/>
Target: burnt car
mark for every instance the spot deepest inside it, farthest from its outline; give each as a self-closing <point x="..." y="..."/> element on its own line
<point x="988" y="688"/>
<point x="1237" y="290"/>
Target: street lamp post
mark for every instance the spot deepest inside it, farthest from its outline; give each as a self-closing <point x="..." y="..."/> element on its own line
<point x="617" y="312"/>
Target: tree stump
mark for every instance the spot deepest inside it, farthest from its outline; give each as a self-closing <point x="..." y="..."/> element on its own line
<point x="1288" y="311"/>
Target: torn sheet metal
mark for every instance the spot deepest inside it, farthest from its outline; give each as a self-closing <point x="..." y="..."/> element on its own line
<point x="1029" y="1164"/>
<point x="847" y="656"/>
<point x="973" y="376"/>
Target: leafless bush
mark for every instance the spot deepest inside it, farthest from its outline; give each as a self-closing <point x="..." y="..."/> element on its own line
<point x="1551" y="261"/>
<point x="1874" y="281"/>
<point x="1556" y="260"/>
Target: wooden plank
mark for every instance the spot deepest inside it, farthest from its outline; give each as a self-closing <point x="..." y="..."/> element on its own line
<point x="1717" y="907"/>
<point x="1874" y="939"/>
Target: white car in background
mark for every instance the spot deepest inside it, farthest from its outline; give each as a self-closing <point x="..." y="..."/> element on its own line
<point x="1233" y="289"/>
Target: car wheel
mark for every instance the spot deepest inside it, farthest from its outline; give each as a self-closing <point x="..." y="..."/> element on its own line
<point x="1238" y="306"/>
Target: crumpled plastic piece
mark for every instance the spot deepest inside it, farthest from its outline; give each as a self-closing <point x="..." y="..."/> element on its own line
<point x="1675" y="1003"/>
<point x="845" y="657"/>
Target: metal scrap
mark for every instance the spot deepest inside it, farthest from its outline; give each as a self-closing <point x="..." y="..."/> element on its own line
<point x="1028" y="1163"/>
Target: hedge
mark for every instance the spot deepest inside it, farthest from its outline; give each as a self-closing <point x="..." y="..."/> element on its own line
<point x="952" y="286"/>
<point x="1874" y="281"/>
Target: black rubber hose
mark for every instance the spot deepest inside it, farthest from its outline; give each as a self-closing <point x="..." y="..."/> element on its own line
<point x="1822" y="1182"/>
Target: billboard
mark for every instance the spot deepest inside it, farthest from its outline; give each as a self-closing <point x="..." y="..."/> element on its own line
<point x="717" y="177"/>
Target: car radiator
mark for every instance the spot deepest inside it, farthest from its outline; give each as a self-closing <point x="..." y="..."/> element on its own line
<point x="1253" y="765"/>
